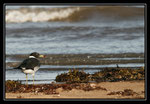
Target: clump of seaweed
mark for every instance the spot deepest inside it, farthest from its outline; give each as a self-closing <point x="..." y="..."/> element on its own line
<point x="73" y="76"/>
<point x="116" y="74"/>
<point x="126" y="92"/>
<point x="108" y="74"/>
<point x="49" y="89"/>
<point x="12" y="86"/>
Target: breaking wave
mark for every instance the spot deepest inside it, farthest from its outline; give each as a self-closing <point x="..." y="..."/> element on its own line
<point x="72" y="14"/>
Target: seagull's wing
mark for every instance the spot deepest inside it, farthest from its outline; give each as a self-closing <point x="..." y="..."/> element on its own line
<point x="29" y="63"/>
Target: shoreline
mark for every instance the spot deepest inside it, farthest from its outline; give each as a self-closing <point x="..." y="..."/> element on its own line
<point x="102" y="90"/>
<point x="80" y="59"/>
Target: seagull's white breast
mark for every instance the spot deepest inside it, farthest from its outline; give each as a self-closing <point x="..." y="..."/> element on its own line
<point x="30" y="71"/>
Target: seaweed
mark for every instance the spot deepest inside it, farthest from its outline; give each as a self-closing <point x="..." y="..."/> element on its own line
<point x="12" y="86"/>
<point x="73" y="76"/>
<point x="126" y="92"/>
<point x="108" y="74"/>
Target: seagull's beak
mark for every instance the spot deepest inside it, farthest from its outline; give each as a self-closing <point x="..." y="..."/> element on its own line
<point x="42" y="56"/>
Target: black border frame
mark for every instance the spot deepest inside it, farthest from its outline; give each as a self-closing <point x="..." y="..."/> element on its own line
<point x="76" y="4"/>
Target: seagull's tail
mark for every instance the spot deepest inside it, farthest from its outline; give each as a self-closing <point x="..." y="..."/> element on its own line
<point x="17" y="67"/>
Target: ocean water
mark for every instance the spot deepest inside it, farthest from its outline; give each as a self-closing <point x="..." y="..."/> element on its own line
<point x="72" y="30"/>
<point x="65" y="30"/>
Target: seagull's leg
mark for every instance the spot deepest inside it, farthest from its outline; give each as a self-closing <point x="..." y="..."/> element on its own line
<point x="26" y="79"/>
<point x="33" y="83"/>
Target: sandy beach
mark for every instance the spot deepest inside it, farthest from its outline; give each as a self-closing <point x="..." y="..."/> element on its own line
<point x="109" y="90"/>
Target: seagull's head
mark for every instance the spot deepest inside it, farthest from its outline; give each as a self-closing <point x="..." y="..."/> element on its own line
<point x="36" y="55"/>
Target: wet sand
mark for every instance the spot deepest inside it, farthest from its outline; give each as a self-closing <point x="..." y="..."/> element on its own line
<point x="81" y="59"/>
<point x="109" y="90"/>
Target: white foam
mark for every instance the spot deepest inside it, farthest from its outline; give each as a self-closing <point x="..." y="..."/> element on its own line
<point x="19" y="16"/>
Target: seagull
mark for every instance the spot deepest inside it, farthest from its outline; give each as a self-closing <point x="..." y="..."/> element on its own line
<point x="30" y="65"/>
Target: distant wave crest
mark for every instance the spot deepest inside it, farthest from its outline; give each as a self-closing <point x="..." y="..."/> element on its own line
<point x="71" y="14"/>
